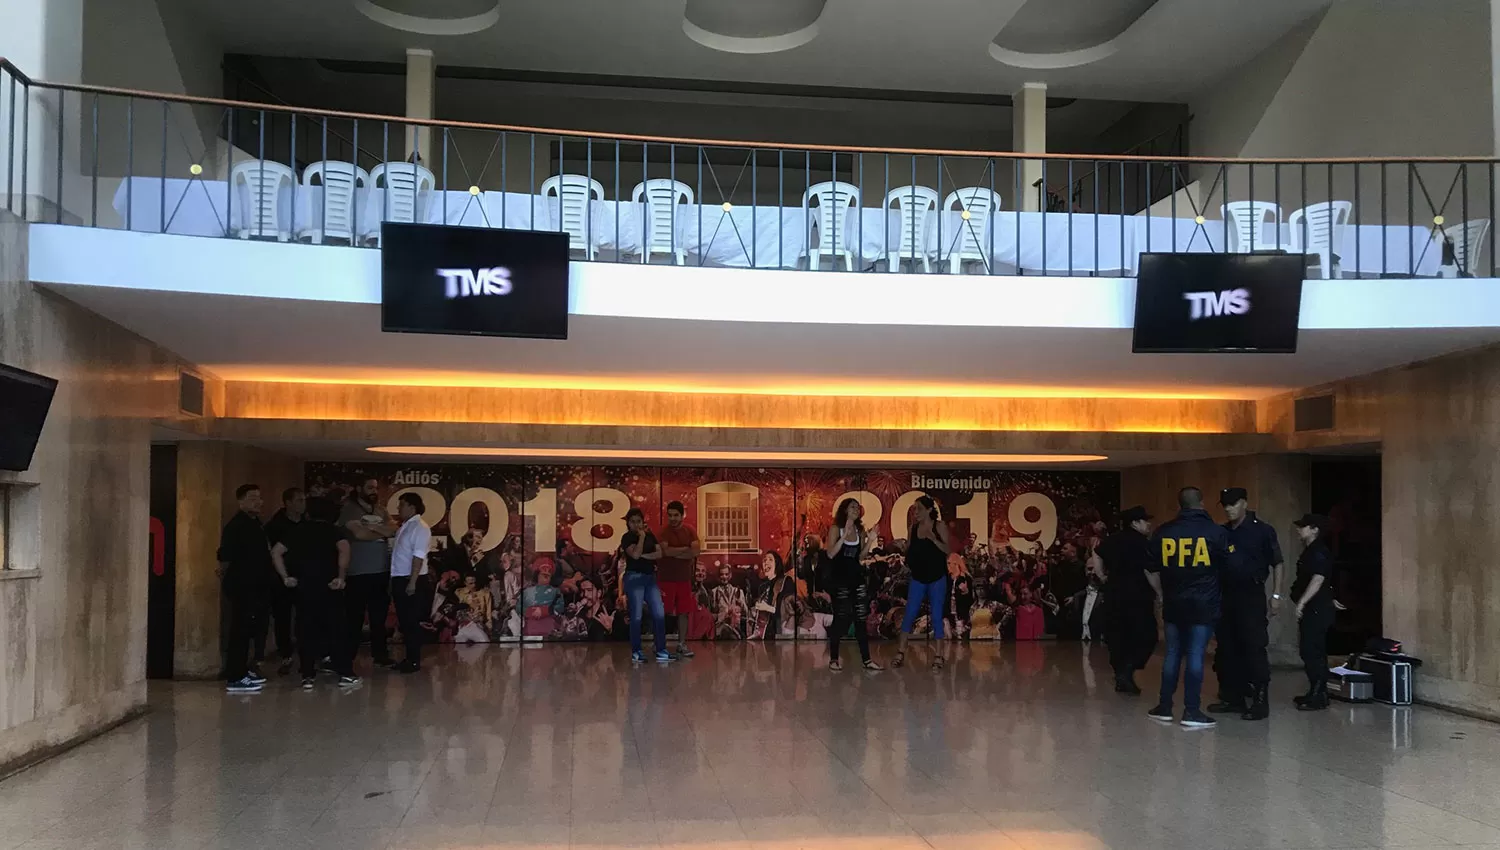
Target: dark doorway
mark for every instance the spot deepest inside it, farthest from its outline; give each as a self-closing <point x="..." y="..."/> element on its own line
<point x="161" y="587"/>
<point x="1347" y="491"/>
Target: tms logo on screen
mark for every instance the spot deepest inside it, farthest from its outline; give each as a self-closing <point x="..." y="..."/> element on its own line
<point x="1230" y="302"/>
<point x="460" y="283"/>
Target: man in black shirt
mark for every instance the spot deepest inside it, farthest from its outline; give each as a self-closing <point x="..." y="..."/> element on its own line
<point x="312" y="556"/>
<point x="283" y="598"/>
<point x="1315" y="609"/>
<point x="1129" y="601"/>
<point x="1241" y="661"/>
<point x="246" y="572"/>
<point x="1188" y="555"/>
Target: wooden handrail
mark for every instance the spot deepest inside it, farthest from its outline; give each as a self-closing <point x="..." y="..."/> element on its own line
<point x="722" y="143"/>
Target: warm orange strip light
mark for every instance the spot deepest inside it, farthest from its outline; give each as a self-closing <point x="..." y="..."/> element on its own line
<point x="637" y="455"/>
<point x="718" y="385"/>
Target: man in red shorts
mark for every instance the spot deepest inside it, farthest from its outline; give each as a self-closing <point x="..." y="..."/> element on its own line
<point x="679" y="552"/>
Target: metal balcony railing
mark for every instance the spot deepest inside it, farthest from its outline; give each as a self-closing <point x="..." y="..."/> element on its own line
<point x="116" y="158"/>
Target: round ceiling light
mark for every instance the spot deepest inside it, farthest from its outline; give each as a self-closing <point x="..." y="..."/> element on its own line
<point x="764" y="26"/>
<point x="432" y="17"/>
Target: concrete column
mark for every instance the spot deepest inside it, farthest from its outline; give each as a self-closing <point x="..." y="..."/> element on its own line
<point x="1030" y="136"/>
<point x="208" y="471"/>
<point x="1495" y="71"/>
<point x="421" y="92"/>
<point x="44" y="39"/>
<point x="200" y="516"/>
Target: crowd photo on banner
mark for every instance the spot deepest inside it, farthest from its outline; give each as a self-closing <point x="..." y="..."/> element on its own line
<point x="534" y="553"/>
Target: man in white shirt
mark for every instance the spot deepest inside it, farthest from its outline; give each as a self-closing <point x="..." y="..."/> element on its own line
<point x="408" y="565"/>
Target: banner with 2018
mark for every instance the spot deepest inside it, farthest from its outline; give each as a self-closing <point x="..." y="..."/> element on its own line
<point x="533" y="552"/>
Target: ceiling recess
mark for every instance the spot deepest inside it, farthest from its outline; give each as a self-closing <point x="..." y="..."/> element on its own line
<point x="1047" y="34"/>
<point x="432" y="17"/>
<point x="764" y="26"/>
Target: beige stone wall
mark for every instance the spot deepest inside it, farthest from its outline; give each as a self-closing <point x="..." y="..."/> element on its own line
<point x="1438" y="427"/>
<point x="73" y="632"/>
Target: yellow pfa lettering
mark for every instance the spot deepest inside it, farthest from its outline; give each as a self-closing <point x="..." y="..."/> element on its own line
<point x="1200" y="553"/>
<point x="1168" y="549"/>
<point x="1184" y="547"/>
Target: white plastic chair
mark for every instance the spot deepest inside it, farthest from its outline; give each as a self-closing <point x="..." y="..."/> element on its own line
<point x="575" y="194"/>
<point x="1317" y="228"/>
<point x="1246" y="223"/>
<point x="916" y="205"/>
<point x="342" y="185"/>
<point x="400" y="192"/>
<point x="257" y="188"/>
<point x="835" y="200"/>
<point x="1468" y="244"/>
<point x="662" y="198"/>
<point x="976" y="204"/>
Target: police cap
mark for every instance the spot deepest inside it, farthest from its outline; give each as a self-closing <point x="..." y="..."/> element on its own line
<point x="1230" y="495"/>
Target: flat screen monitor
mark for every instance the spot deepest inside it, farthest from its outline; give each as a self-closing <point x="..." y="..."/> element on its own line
<point x="24" y="400"/>
<point x="481" y="281"/>
<point x="1197" y="303"/>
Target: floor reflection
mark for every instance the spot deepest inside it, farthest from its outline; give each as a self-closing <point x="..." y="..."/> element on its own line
<point x="753" y="746"/>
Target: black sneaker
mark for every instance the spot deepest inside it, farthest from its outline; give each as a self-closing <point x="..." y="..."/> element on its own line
<point x="349" y="681"/>
<point x="407" y="667"/>
<point x="308" y="683"/>
<point x="255" y="678"/>
<point x="1162" y="713"/>
<point x="244" y="686"/>
<point x="684" y="652"/>
<point x="1198" y="720"/>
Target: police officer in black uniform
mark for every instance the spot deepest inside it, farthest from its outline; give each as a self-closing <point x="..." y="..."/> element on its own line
<point x="1129" y="601"/>
<point x="1313" y="596"/>
<point x="1188" y="555"/>
<point x="1242" y="664"/>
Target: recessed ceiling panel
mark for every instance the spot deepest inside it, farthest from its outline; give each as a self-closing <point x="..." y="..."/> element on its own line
<point x="764" y="26"/>
<point x="432" y="17"/>
<point x="1065" y="33"/>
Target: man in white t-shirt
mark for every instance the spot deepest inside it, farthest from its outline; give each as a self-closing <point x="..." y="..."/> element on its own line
<point x="408" y="564"/>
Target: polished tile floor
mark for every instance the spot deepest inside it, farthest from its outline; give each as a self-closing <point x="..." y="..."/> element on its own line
<point x="753" y="746"/>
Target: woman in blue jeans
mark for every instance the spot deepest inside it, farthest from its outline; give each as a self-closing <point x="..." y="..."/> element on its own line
<point x="927" y="558"/>
<point x="641" y="554"/>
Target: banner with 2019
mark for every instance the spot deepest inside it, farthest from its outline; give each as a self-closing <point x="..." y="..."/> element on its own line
<point x="532" y="552"/>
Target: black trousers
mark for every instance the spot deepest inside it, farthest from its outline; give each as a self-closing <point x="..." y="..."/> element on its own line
<point x="321" y="630"/>
<point x="1312" y="642"/>
<point x="1130" y="630"/>
<point x="368" y="596"/>
<point x="282" y="604"/>
<point x="247" y="607"/>
<point x="851" y="605"/>
<point x="1241" y="660"/>
<point x="409" y="615"/>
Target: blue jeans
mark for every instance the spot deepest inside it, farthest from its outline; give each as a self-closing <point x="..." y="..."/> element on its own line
<point x="1197" y="643"/>
<point x="934" y="594"/>
<point x="641" y="588"/>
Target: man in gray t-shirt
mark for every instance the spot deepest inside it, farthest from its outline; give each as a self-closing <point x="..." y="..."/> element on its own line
<point x="364" y="521"/>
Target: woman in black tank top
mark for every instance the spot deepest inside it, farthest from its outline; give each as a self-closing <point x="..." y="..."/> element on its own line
<point x="847" y="544"/>
<point x="927" y="558"/>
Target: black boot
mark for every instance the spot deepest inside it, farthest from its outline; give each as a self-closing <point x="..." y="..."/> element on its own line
<point x="1260" y="704"/>
<point x="1302" y="700"/>
<point x="1125" y="684"/>
<point x="1316" y="699"/>
<point x="1229" y="705"/>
